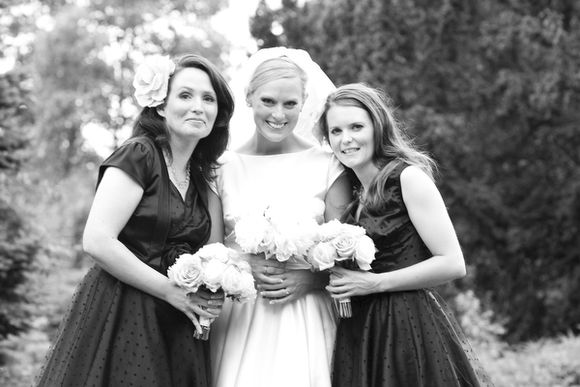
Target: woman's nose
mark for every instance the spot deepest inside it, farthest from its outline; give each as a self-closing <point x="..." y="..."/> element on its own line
<point x="196" y="104"/>
<point x="278" y="113"/>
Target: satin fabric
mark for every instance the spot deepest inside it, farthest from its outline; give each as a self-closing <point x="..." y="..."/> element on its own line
<point x="259" y="344"/>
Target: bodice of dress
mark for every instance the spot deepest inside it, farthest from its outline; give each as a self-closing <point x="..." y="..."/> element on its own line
<point x="297" y="181"/>
<point x="163" y="225"/>
<point x="396" y="239"/>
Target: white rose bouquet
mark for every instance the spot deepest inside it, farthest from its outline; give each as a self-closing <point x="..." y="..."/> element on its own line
<point x="346" y="245"/>
<point x="215" y="267"/>
<point x="278" y="231"/>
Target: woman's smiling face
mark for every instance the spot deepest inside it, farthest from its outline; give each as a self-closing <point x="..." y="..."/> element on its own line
<point x="276" y="106"/>
<point x="192" y="107"/>
<point x="351" y="136"/>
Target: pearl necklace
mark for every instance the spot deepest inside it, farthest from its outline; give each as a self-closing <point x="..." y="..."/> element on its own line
<point x="180" y="184"/>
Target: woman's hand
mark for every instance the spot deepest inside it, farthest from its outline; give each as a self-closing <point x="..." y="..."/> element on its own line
<point x="263" y="269"/>
<point x="203" y="303"/>
<point x="347" y="283"/>
<point x="292" y="285"/>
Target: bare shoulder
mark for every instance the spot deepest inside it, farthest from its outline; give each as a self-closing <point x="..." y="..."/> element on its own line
<point x="413" y="175"/>
<point x="416" y="183"/>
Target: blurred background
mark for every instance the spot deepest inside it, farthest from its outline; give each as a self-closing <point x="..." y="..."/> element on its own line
<point x="491" y="88"/>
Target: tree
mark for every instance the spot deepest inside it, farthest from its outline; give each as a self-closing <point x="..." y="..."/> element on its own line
<point x="18" y="244"/>
<point x="85" y="66"/>
<point x="491" y="90"/>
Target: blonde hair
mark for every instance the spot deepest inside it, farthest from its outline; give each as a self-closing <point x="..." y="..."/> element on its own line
<point x="274" y="69"/>
<point x="392" y="145"/>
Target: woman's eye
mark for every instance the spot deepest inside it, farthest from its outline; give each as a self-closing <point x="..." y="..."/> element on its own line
<point x="268" y="101"/>
<point x="335" y="131"/>
<point x="209" y="98"/>
<point x="185" y="95"/>
<point x="291" y="105"/>
<point x="357" y="126"/>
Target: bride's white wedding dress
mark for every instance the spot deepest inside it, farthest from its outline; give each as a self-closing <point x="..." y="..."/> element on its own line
<point x="257" y="344"/>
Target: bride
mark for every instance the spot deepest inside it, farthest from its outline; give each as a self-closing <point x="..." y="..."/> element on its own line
<point x="286" y="337"/>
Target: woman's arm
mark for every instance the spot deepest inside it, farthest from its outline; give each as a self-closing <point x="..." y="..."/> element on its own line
<point x="338" y="196"/>
<point x="108" y="215"/>
<point x="429" y="216"/>
<point x="216" y="216"/>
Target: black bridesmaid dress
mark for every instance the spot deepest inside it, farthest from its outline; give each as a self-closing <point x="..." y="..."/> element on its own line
<point x="407" y="338"/>
<point x="115" y="334"/>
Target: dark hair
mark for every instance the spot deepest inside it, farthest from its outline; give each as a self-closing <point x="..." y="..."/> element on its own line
<point x="392" y="146"/>
<point x="149" y="123"/>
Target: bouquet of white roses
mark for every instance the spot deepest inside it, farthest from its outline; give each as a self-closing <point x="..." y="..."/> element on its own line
<point x="213" y="266"/>
<point x="346" y="245"/>
<point x="278" y="231"/>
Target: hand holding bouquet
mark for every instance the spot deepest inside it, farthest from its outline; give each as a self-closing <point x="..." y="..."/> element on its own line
<point x="345" y="245"/>
<point x="215" y="267"/>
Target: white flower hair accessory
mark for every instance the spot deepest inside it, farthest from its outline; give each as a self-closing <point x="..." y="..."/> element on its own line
<point x="151" y="80"/>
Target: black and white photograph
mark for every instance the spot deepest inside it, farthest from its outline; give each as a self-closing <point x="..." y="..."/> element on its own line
<point x="290" y="193"/>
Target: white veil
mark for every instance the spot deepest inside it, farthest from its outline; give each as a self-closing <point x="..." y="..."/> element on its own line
<point x="318" y="87"/>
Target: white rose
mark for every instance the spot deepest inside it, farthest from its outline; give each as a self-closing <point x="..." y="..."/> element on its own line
<point x="307" y="236"/>
<point x="231" y="280"/>
<point x="322" y="256"/>
<point x="215" y="251"/>
<point x="285" y="245"/>
<point x="213" y="273"/>
<point x="238" y="282"/>
<point x="365" y="252"/>
<point x="242" y="265"/>
<point x="335" y="228"/>
<point x="268" y="243"/>
<point x="345" y="246"/>
<point x="151" y="80"/>
<point x="186" y="272"/>
<point x="247" y="286"/>
<point x="251" y="232"/>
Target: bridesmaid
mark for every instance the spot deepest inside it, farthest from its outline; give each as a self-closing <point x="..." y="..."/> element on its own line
<point x="128" y="325"/>
<point x="285" y="337"/>
<point x="401" y="332"/>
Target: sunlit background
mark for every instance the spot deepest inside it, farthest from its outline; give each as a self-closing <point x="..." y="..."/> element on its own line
<point x="490" y="88"/>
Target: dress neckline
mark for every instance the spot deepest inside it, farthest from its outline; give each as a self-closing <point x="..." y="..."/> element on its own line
<point x="276" y="154"/>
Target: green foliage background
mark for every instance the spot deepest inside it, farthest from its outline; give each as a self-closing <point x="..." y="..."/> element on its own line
<point x="492" y="90"/>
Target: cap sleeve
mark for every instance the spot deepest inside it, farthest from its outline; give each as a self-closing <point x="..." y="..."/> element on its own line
<point x="135" y="158"/>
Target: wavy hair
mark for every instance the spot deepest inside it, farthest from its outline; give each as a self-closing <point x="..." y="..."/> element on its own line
<point x="391" y="144"/>
<point x="204" y="158"/>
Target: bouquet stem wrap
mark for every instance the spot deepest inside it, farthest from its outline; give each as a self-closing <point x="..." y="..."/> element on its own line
<point x="205" y="323"/>
<point x="343" y="307"/>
